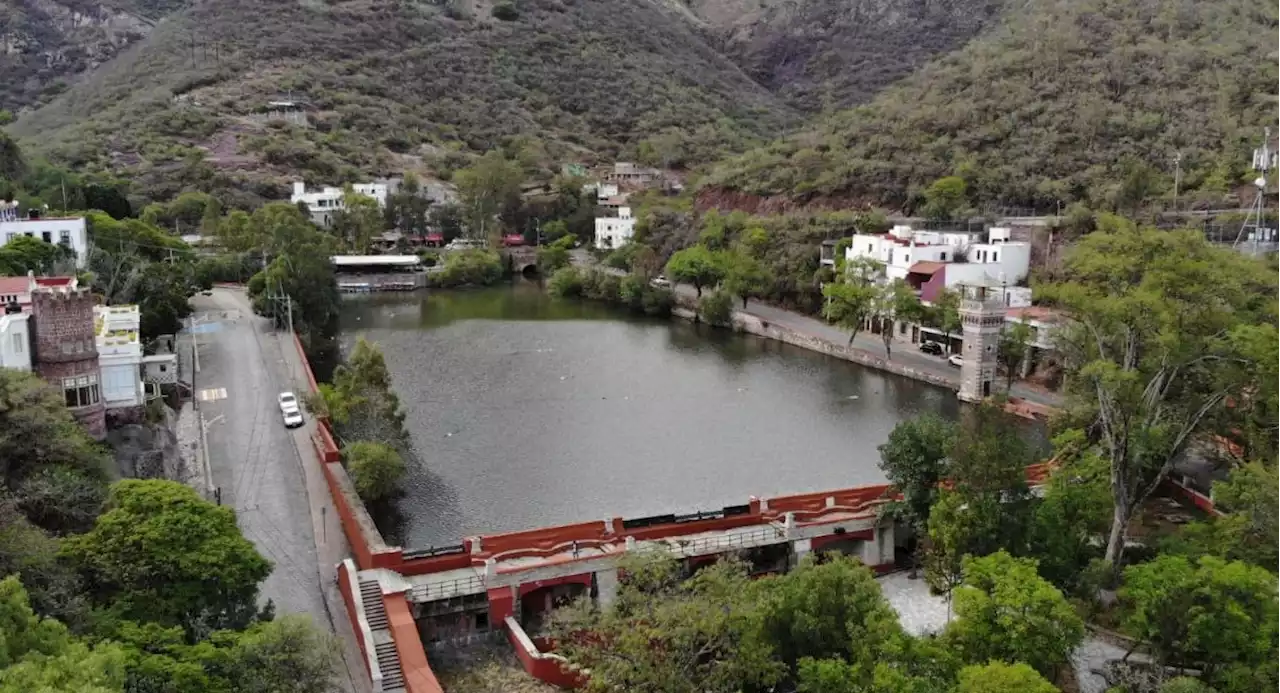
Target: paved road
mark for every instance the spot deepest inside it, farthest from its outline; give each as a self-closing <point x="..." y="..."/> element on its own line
<point x="278" y="494"/>
<point x="905" y="354"/>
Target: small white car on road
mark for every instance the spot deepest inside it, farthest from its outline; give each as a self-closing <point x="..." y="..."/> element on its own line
<point x="286" y="400"/>
<point x="292" y="417"/>
<point x="661" y="281"/>
<point x="955" y="360"/>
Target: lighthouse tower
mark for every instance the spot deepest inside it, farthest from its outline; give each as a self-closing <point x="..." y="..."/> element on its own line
<point x="981" y="320"/>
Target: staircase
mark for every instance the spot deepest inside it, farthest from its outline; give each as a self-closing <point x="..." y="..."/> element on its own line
<point x="384" y="647"/>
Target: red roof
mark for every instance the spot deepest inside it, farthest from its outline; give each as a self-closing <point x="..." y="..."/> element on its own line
<point x="926" y="267"/>
<point x="1037" y="313"/>
<point x="54" y="281"/>
<point x="13" y="285"/>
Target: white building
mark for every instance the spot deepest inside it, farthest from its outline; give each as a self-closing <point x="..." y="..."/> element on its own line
<point x="327" y="200"/>
<point x="959" y="257"/>
<point x="119" y="355"/>
<point x="603" y="191"/>
<point x="15" y="341"/>
<point x="615" y="232"/>
<point x="71" y="232"/>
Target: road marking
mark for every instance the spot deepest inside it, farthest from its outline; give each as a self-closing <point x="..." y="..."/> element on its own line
<point x="212" y="394"/>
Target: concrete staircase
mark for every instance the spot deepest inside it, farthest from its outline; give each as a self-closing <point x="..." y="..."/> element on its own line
<point x="384" y="646"/>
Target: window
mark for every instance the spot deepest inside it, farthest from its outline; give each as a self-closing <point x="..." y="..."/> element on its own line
<point x="9" y="236"/>
<point x="47" y="236"/>
<point x="995" y="256"/>
<point x="18" y="347"/>
<point x="64" y="237"/>
<point x="943" y="257"/>
<point x="82" y="391"/>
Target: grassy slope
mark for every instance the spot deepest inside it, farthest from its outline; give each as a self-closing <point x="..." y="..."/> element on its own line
<point x="382" y="77"/>
<point x="1052" y="106"/>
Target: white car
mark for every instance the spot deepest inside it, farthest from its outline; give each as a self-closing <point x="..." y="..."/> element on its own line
<point x="660" y="281"/>
<point x="292" y="417"/>
<point x="287" y="401"/>
<point x="955" y="360"/>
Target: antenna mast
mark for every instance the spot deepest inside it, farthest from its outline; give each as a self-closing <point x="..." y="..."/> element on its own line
<point x="1263" y="160"/>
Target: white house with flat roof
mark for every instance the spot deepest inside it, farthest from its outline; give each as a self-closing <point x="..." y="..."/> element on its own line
<point x="615" y="232"/>
<point x="323" y="203"/>
<point x="15" y="341"/>
<point x="119" y="355"/>
<point x="968" y="258"/>
<point x="71" y="232"/>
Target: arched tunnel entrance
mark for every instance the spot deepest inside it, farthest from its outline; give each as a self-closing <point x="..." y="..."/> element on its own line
<point x="539" y="603"/>
<point x="530" y="271"/>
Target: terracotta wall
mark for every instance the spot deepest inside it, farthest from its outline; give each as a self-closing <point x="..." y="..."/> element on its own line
<point x="540" y="666"/>
<point x="418" y="677"/>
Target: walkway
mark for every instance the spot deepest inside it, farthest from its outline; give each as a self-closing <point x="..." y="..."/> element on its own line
<point x="267" y="473"/>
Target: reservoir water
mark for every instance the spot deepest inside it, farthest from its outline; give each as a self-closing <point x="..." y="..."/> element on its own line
<point x="527" y="411"/>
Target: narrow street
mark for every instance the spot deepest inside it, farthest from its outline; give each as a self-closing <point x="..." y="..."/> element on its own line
<point x="266" y="472"/>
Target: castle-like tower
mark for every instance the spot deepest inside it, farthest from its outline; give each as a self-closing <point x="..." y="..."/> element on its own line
<point x="982" y="313"/>
<point x="66" y="353"/>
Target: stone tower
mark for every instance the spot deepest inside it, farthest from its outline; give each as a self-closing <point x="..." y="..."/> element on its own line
<point x="66" y="353"/>
<point x="981" y="319"/>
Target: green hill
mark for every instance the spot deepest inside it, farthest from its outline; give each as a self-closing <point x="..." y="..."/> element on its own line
<point x="1068" y="100"/>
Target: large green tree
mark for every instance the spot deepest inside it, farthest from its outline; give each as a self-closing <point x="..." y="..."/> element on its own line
<point x="1006" y="612"/>
<point x="376" y="468"/>
<point x="1161" y="325"/>
<point x="745" y="276"/>
<point x="359" y="221"/>
<point x="998" y="677"/>
<point x="698" y="266"/>
<point x="161" y="553"/>
<point x="914" y="460"/>
<point x="490" y="187"/>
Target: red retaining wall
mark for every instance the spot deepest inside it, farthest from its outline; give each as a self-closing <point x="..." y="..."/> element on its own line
<point x="535" y="661"/>
<point x="418" y="677"/>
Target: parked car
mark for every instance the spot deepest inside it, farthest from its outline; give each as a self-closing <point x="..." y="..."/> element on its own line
<point x="955" y="360"/>
<point x="464" y="244"/>
<point x="286" y="400"/>
<point x="292" y="417"/>
<point x="661" y="281"/>
<point x="933" y="348"/>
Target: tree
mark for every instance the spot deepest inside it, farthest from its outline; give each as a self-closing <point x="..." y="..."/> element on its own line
<point x="700" y="635"/>
<point x="161" y="553"/>
<point x="1247" y="529"/>
<point x="894" y="301"/>
<point x="1213" y="615"/>
<point x="1006" y="612"/>
<point x="448" y="220"/>
<point x="1155" y="346"/>
<point x="1015" y="342"/>
<point x="914" y="459"/>
<point x="946" y="198"/>
<point x="834" y="609"/>
<point x="487" y="187"/>
<point x="716" y="308"/>
<point x="299" y="268"/>
<point x="57" y="475"/>
<point x="376" y="469"/>
<point x="408" y="209"/>
<point x="697" y="266"/>
<point x="358" y="222"/>
<point x="26" y="254"/>
<point x="849" y="305"/>
<point x="744" y="276"/>
<point x="556" y="255"/>
<point x="1074" y="512"/>
<point x="998" y="677"/>
<point x="944" y="314"/>
<point x="37" y="655"/>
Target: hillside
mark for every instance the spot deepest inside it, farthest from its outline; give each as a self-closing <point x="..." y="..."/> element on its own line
<point x="46" y="44"/>
<point x="387" y="85"/>
<point x="1063" y="102"/>
<point x="818" y="54"/>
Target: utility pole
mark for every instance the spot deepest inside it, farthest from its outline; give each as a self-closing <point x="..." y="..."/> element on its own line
<point x="1177" y="177"/>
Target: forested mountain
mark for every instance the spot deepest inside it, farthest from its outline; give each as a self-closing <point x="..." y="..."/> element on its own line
<point x="1068" y="100"/>
<point x="390" y="85"/>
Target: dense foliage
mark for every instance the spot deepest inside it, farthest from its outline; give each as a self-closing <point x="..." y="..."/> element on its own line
<point x="633" y="291"/>
<point x="1067" y="101"/>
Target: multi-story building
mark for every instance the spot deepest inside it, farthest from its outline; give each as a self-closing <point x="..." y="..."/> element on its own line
<point x="630" y="174"/>
<point x="70" y="232"/>
<point x="615" y="232"/>
<point x="326" y="201"/>
<point x="933" y="260"/>
<point x="66" y="352"/>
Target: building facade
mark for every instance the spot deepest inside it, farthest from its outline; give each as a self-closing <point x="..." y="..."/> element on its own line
<point x="949" y="259"/>
<point x="615" y="232"/>
<point x="327" y="201"/>
<point x="66" y="352"/>
<point x="69" y="232"/>
<point x="982" y="319"/>
<point x="15" y="339"/>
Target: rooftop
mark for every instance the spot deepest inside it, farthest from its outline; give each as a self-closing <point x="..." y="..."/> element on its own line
<point x="13" y="285"/>
<point x="927" y="267"/>
<point x="1036" y="313"/>
<point x="374" y="260"/>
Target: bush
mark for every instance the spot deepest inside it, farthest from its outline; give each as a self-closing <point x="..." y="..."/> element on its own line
<point x="469" y="268"/>
<point x="505" y="11"/>
<point x="601" y="286"/>
<point x="376" y="469"/>
<point x="566" y="283"/>
<point x="658" y="302"/>
<point x="717" y="309"/>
